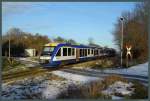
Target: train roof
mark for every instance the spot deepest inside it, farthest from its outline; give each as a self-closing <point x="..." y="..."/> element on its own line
<point x="53" y="44"/>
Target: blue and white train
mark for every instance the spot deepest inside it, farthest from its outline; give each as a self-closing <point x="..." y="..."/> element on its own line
<point x="59" y="54"/>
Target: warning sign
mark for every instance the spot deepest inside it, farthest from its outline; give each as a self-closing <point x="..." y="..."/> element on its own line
<point x="128" y="47"/>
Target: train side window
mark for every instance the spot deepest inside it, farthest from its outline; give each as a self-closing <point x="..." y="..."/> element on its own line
<point x="72" y="51"/>
<point x="92" y="51"/>
<point x="59" y="52"/>
<point x="81" y="53"/>
<point x="64" y="51"/>
<point x="95" y="52"/>
<point x="85" y="52"/>
<point x="69" y="51"/>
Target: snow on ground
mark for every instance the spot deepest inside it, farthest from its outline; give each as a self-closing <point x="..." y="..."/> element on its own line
<point x="28" y="62"/>
<point x="141" y="69"/>
<point x="42" y="87"/>
<point x="119" y="89"/>
<point x="75" y="77"/>
<point x="27" y="59"/>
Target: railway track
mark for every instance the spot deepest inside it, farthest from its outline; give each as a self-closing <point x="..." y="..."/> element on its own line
<point x="31" y="71"/>
<point x="33" y="68"/>
<point x="36" y="69"/>
<point x="21" y="74"/>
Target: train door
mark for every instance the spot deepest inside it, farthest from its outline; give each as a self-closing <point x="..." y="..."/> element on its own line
<point x="77" y="54"/>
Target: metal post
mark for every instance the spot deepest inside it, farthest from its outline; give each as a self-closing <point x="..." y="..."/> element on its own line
<point x="121" y="40"/>
<point x="9" y="45"/>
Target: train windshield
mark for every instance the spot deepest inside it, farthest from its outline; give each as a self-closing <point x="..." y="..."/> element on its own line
<point x="47" y="51"/>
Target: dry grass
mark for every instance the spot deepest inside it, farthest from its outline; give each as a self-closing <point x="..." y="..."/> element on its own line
<point x="45" y="76"/>
<point x="92" y="90"/>
<point x="55" y="77"/>
<point x="140" y="92"/>
<point x="85" y="64"/>
<point x="110" y="62"/>
<point x="109" y="80"/>
<point x="9" y="64"/>
<point x="102" y="63"/>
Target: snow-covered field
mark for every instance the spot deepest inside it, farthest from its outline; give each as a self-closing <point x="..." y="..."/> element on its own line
<point x="27" y="59"/>
<point x="119" y="87"/>
<point x="75" y="77"/>
<point x="141" y="69"/>
<point x="42" y="87"/>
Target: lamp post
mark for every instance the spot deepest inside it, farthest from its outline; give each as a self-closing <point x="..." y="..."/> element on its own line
<point x="121" y="19"/>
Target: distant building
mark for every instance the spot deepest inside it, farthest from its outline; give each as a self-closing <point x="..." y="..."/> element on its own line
<point x="30" y="52"/>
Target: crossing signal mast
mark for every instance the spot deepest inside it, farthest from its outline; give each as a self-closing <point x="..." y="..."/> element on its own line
<point x="121" y="19"/>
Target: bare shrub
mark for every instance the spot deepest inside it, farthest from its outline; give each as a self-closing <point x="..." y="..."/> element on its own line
<point x="140" y="92"/>
<point x="88" y="91"/>
<point x="112" y="79"/>
<point x="94" y="90"/>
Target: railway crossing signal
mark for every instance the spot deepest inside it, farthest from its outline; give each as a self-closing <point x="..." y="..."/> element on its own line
<point x="128" y="53"/>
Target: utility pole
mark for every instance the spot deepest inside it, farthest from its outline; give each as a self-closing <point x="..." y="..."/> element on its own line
<point x="121" y="39"/>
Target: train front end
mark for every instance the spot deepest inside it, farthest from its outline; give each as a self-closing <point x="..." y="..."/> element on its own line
<point x="45" y="58"/>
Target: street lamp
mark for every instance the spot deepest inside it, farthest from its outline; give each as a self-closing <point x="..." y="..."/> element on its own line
<point x="121" y="19"/>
